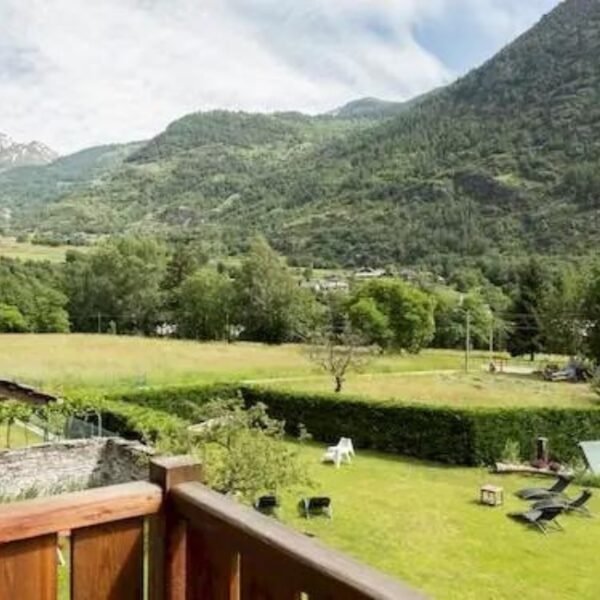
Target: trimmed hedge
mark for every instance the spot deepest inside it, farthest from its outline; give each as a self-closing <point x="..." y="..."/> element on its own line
<point x="181" y="401"/>
<point x="133" y="421"/>
<point x="465" y="436"/>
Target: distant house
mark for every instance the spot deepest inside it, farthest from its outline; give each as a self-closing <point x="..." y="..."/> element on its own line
<point x="369" y="273"/>
<point x="330" y="284"/>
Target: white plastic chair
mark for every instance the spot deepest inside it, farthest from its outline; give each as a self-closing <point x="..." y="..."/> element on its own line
<point x="344" y="451"/>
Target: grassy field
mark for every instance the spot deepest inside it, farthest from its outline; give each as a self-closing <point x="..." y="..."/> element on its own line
<point x="19" y="437"/>
<point x="10" y="248"/>
<point x="422" y="523"/>
<point x="456" y="389"/>
<point x="59" y="361"/>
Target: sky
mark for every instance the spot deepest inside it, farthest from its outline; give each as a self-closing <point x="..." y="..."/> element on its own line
<point x="77" y="73"/>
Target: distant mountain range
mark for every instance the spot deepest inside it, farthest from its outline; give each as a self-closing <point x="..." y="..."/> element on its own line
<point x="505" y="161"/>
<point x="15" y="154"/>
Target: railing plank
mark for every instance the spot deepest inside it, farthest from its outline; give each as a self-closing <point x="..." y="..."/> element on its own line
<point x="213" y="566"/>
<point x="167" y="535"/>
<point x="28" y="569"/>
<point x="107" y="561"/>
<point x="43" y="516"/>
<point x="263" y="577"/>
<point x="308" y="566"/>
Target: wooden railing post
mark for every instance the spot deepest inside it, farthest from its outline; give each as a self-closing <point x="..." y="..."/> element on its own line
<point x="167" y="531"/>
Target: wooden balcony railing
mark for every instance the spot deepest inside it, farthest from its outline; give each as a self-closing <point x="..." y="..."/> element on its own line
<point x="199" y="546"/>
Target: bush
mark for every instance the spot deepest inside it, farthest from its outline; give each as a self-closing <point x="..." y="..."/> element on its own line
<point x="451" y="435"/>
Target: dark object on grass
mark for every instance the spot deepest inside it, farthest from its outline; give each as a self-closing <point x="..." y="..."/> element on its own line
<point x="317" y="505"/>
<point x="557" y="489"/>
<point x="267" y="505"/>
<point x="544" y="518"/>
<point x="576" y="505"/>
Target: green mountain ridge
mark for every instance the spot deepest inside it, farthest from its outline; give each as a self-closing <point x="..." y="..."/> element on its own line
<point x="505" y="160"/>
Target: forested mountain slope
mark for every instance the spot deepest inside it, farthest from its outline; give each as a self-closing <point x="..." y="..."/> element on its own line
<point x="507" y="159"/>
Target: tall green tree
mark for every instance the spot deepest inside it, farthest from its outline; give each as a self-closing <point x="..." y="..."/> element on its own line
<point x="526" y="335"/>
<point x="271" y="306"/>
<point x="592" y="316"/>
<point x="562" y="313"/>
<point x="394" y="314"/>
<point x="118" y="281"/>
<point x="205" y="306"/>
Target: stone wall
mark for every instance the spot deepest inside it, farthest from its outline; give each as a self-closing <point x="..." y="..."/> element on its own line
<point x="69" y="465"/>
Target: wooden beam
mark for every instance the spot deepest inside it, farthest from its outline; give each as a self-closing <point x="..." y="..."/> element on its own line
<point x="42" y="516"/>
<point x="168" y="532"/>
<point x="28" y="569"/>
<point x="107" y="561"/>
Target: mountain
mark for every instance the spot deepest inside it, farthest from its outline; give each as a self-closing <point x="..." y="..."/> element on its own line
<point x="504" y="161"/>
<point x="370" y="108"/>
<point x="24" y="190"/>
<point x="14" y="154"/>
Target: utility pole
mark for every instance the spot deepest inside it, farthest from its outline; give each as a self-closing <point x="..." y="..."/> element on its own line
<point x="468" y="342"/>
<point x="99" y="322"/>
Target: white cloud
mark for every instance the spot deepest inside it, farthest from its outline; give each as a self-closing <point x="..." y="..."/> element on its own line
<point x="75" y="73"/>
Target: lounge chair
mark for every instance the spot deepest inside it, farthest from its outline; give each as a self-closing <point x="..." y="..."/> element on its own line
<point x="576" y="505"/>
<point x="267" y="505"/>
<point x="544" y="518"/>
<point x="557" y="489"/>
<point x="344" y="451"/>
<point x="317" y="505"/>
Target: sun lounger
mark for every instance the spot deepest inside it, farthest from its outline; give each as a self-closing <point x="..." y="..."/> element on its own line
<point x="545" y="519"/>
<point x="557" y="489"/>
<point x="576" y="505"/>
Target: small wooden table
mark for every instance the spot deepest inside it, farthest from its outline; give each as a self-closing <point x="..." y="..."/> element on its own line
<point x="491" y="495"/>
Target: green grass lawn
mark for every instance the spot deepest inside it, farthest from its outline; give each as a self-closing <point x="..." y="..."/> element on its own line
<point x="455" y="389"/>
<point x="19" y="437"/>
<point x="422" y="523"/>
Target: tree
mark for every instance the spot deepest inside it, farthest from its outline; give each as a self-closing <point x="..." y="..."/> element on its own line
<point x="365" y="316"/>
<point x="204" y="306"/>
<point x="561" y="314"/>
<point x="120" y="280"/>
<point x="394" y="314"/>
<point x="271" y="306"/>
<point x="338" y="350"/>
<point x="243" y="450"/>
<point x="592" y="316"/>
<point x="451" y="319"/>
<point x="525" y="336"/>
<point x="11" y="320"/>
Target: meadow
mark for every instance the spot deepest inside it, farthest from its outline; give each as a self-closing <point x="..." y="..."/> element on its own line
<point x="10" y="248"/>
<point x="457" y="388"/>
<point x="76" y="360"/>
<point x="60" y="363"/>
<point x="422" y="522"/>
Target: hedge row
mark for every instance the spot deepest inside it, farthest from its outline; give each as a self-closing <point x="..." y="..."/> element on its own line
<point x="133" y="421"/>
<point x="465" y="436"/>
<point x="181" y="401"/>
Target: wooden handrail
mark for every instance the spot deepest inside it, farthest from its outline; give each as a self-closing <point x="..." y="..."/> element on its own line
<point x="306" y="562"/>
<point x="42" y="516"/>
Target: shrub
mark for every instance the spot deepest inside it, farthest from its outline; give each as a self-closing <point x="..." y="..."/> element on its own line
<point x="511" y="453"/>
<point x="467" y="436"/>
